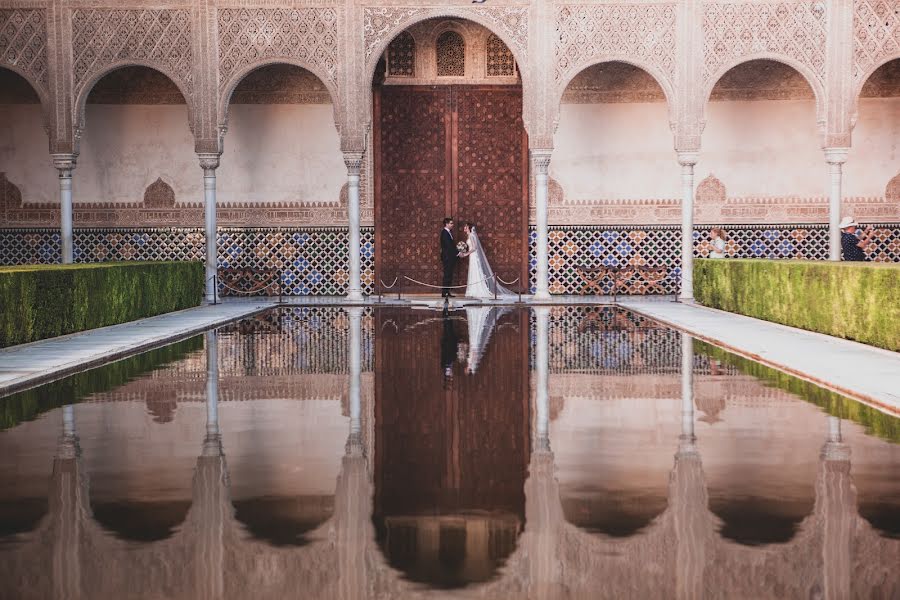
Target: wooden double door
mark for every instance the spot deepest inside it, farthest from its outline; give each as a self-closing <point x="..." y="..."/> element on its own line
<point x="455" y="150"/>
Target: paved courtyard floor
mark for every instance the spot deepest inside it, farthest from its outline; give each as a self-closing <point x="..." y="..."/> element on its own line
<point x="862" y="372"/>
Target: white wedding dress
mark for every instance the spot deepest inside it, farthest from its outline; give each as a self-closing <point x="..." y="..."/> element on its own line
<point x="481" y="283"/>
<point x="481" y="321"/>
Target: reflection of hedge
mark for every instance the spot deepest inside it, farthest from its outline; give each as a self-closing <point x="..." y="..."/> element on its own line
<point x="42" y="301"/>
<point x="876" y="422"/>
<point x="25" y="406"/>
<point x="856" y="301"/>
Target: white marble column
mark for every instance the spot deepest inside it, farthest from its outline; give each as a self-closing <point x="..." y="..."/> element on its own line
<point x="209" y="162"/>
<point x="687" y="160"/>
<point x="540" y="160"/>
<point x="835" y="157"/>
<point x="354" y="161"/>
<point x="542" y="380"/>
<point x="355" y="347"/>
<point x="65" y="164"/>
<point x="212" y="384"/>
<point x="687" y="389"/>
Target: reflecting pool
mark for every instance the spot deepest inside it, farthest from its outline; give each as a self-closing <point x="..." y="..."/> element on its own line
<point x="567" y="452"/>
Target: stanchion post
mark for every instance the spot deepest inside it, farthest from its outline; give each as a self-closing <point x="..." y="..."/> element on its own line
<point x="495" y="287"/>
<point x="280" y="286"/>
<point x="399" y="283"/>
<point x="216" y="288"/>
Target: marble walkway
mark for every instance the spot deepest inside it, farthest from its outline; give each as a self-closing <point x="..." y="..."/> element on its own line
<point x="862" y="372"/>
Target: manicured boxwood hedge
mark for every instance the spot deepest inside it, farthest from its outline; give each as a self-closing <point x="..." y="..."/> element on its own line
<point x="851" y="300"/>
<point x="876" y="422"/>
<point x="42" y="301"/>
<point x="29" y="404"/>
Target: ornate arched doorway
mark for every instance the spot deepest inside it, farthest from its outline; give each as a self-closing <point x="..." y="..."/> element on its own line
<point x="449" y="140"/>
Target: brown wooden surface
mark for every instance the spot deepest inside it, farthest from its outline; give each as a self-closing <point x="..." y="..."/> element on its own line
<point x="444" y="447"/>
<point x="457" y="151"/>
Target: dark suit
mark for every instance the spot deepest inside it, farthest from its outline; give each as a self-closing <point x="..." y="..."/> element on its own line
<point x="448" y="259"/>
<point x="448" y="345"/>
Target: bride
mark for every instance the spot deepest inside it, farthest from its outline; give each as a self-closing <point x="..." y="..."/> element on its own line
<point x="481" y="282"/>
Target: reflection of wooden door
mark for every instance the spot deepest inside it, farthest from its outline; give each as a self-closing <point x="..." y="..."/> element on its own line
<point x="457" y="151"/>
<point x="449" y="444"/>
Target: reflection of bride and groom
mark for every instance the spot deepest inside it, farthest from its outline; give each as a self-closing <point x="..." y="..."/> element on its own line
<point x="481" y="282"/>
<point x="481" y="321"/>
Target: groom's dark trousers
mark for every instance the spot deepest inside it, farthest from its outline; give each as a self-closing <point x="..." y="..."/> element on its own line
<point x="448" y="260"/>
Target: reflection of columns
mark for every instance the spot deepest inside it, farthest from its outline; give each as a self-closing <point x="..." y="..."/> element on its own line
<point x="687" y="160"/>
<point x="65" y="164"/>
<point x="355" y="440"/>
<point x="542" y="381"/>
<point x="211" y="504"/>
<point x="541" y="161"/>
<point x="209" y="162"/>
<point x="68" y="511"/>
<point x="835" y="157"/>
<point x="687" y="387"/>
<point x="212" y="385"/>
<point x="836" y="511"/>
<point x="353" y="160"/>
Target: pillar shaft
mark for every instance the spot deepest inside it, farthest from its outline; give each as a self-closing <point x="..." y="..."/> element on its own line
<point x="212" y="384"/>
<point x="835" y="157"/>
<point x="354" y="160"/>
<point x="65" y="164"/>
<point x="687" y="160"/>
<point x="687" y="387"/>
<point x="541" y="163"/>
<point x="209" y="163"/>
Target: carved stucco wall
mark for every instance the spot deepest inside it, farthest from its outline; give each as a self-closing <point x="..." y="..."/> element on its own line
<point x="207" y="51"/>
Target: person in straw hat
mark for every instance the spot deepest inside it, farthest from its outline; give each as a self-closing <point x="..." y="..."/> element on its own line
<point x="853" y="247"/>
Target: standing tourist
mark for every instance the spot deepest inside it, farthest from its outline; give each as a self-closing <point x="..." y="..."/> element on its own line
<point x="853" y="246"/>
<point x="717" y="235"/>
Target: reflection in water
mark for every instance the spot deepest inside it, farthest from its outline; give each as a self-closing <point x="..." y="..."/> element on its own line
<point x="589" y="474"/>
<point x="450" y="460"/>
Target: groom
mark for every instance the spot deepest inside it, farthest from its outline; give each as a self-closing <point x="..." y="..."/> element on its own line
<point x="448" y="256"/>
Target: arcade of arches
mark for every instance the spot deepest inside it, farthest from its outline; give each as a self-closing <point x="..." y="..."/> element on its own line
<point x="586" y="136"/>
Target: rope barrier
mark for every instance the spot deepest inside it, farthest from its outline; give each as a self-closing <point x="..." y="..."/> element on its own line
<point x="387" y="287"/>
<point x="516" y="280"/>
<point x="257" y="290"/>
<point x="441" y="287"/>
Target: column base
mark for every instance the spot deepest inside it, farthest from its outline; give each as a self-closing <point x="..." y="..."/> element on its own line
<point x="355" y="296"/>
<point x="686" y="298"/>
<point x="540" y="295"/>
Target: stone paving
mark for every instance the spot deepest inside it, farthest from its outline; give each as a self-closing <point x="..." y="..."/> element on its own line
<point x="869" y="374"/>
<point x="865" y="373"/>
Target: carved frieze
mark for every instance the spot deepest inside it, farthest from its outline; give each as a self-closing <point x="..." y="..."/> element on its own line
<point x="794" y="30"/>
<point x="593" y="33"/>
<point x="876" y="34"/>
<point x="251" y="35"/>
<point x="23" y="35"/>
<point x="101" y="37"/>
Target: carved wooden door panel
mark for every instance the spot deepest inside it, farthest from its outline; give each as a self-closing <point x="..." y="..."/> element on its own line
<point x="455" y="151"/>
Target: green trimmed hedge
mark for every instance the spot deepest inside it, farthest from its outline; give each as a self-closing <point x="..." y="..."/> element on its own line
<point x="29" y="404"/>
<point x="875" y="422"/>
<point x="851" y="300"/>
<point x="42" y="301"/>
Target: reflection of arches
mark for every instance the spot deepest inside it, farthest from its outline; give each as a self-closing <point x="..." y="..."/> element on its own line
<point x="813" y="82"/>
<point x="616" y="513"/>
<point x="239" y="75"/>
<point x="448" y="551"/>
<point x="756" y="521"/>
<point x="88" y="86"/>
<point x="141" y="521"/>
<point x="283" y="521"/>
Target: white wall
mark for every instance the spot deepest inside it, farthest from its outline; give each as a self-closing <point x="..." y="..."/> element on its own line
<point x="765" y="148"/>
<point x="273" y="153"/>
<point x="615" y="151"/>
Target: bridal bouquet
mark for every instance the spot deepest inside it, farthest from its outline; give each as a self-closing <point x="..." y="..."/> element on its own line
<point x="462" y="247"/>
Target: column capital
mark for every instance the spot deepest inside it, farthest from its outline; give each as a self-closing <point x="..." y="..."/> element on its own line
<point x="688" y="159"/>
<point x="541" y="159"/>
<point x="209" y="161"/>
<point x="354" y="162"/>
<point x="836" y="156"/>
<point x="64" y="162"/>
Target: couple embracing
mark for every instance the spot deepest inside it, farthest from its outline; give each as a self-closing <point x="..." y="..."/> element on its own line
<point x="481" y="282"/>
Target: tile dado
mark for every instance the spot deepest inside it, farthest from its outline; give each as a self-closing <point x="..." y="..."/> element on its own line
<point x="313" y="260"/>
